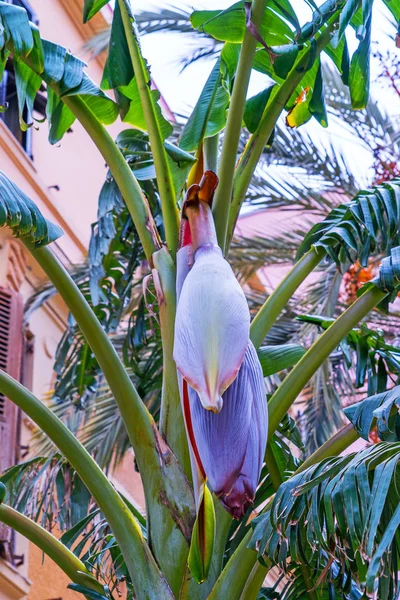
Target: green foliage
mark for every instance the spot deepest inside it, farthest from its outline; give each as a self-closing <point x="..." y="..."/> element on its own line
<point x="341" y="513"/>
<point x="36" y="60"/>
<point x="23" y="217"/>
<point x="3" y="492"/>
<point x="366" y="224"/>
<point x="277" y="358"/>
<point x="209" y="114"/>
<point x="380" y="409"/>
<point x="366" y="349"/>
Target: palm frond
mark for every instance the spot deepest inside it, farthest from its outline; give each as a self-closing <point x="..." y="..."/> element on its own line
<point x="342" y="512"/>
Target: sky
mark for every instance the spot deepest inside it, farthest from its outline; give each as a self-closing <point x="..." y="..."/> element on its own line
<point x="181" y="89"/>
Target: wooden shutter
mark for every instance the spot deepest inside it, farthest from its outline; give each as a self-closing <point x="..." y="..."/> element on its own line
<point x="11" y="312"/>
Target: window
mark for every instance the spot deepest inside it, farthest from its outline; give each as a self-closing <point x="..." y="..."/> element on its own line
<point x="8" y="94"/>
<point x="11" y="345"/>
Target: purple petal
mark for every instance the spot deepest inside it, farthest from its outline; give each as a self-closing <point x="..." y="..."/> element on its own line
<point x="243" y="492"/>
<point x="231" y="444"/>
<point x="211" y="328"/>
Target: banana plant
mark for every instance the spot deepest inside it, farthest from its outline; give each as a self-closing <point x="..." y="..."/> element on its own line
<point x="226" y="500"/>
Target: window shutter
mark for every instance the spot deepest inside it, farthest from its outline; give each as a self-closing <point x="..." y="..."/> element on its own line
<point x="11" y="314"/>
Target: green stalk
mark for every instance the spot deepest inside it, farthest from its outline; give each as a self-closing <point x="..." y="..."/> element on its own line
<point x="146" y="577"/>
<point x="137" y="419"/>
<point x="254" y="582"/>
<point x="60" y="554"/>
<point x="236" y="573"/>
<point x="226" y="171"/>
<point x="293" y="384"/>
<point x="255" y="146"/>
<point x="172" y="426"/>
<point x="332" y="447"/>
<point x="163" y="172"/>
<point x="210" y="150"/>
<point x="166" y="487"/>
<point x="127" y="183"/>
<point x="279" y="298"/>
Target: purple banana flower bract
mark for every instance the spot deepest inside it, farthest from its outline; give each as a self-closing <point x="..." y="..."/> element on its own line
<point x="211" y="328"/>
<point x="231" y="444"/>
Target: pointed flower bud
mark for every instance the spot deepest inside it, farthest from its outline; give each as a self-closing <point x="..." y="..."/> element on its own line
<point x="231" y="444"/>
<point x="212" y="319"/>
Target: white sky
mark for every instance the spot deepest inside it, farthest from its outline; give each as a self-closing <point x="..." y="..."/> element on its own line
<point x="164" y="52"/>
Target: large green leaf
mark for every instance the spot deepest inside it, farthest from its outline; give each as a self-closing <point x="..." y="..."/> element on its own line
<point x="135" y="115"/>
<point x="118" y="69"/>
<point x="209" y="114"/>
<point x="255" y="107"/>
<point x="23" y="217"/>
<point x="37" y="60"/>
<point x="380" y="409"/>
<point x="277" y="358"/>
<point x="92" y="7"/>
<point x="229" y="25"/>
<point x="359" y="70"/>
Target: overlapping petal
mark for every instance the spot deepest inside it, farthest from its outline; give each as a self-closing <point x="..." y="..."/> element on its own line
<point x="211" y="328"/>
<point x="231" y="444"/>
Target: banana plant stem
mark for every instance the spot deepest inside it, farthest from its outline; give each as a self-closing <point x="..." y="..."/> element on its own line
<point x="157" y="464"/>
<point x="138" y="421"/>
<point x="255" y="146"/>
<point x="60" y="554"/>
<point x="146" y="577"/>
<point x="223" y="196"/>
<point x="172" y="426"/>
<point x="210" y="149"/>
<point x="163" y="172"/>
<point x="293" y="383"/>
<point x="332" y="447"/>
<point x="279" y="298"/>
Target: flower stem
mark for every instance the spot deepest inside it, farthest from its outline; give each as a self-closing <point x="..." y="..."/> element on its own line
<point x="293" y="384"/>
<point x="163" y="172"/>
<point x="279" y="298"/>
<point x="255" y="146"/>
<point x="223" y="196"/>
<point x="172" y="426"/>
<point x="146" y="577"/>
<point x="60" y="554"/>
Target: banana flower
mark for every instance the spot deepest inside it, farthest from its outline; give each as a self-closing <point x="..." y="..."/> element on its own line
<point x="221" y="380"/>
